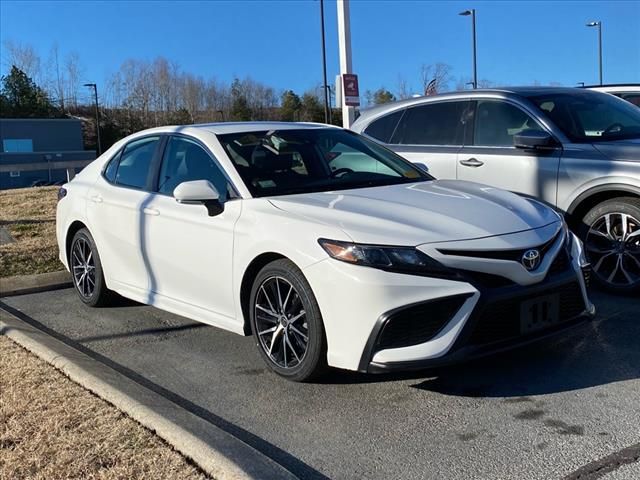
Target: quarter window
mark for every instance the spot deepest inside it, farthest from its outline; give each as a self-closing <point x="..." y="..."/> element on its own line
<point x="382" y="128"/>
<point x="497" y="122"/>
<point x="185" y="160"/>
<point x="432" y="124"/>
<point x="135" y="161"/>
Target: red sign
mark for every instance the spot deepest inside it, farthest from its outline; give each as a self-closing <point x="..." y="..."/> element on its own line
<point x="350" y="89"/>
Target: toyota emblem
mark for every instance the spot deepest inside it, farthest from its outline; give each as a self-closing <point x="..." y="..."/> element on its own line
<point x="531" y="259"/>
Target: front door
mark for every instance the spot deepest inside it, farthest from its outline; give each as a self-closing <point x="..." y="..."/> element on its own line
<point x="191" y="253"/>
<point x="493" y="160"/>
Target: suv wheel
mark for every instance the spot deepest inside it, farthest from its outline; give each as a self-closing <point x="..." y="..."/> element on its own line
<point x="611" y="234"/>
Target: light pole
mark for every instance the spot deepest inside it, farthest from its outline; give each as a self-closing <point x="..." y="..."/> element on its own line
<point x="95" y="96"/>
<point x="599" y="25"/>
<point x="327" y="113"/>
<point x="466" y="13"/>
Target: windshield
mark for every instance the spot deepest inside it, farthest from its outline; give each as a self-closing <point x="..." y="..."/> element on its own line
<point x="282" y="162"/>
<point x="586" y="117"/>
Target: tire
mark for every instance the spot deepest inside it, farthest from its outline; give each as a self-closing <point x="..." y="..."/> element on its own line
<point x="88" y="281"/>
<point x="614" y="255"/>
<point x="290" y="356"/>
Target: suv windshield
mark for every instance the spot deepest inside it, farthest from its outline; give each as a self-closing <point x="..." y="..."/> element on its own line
<point x="590" y="116"/>
<point x="281" y="162"/>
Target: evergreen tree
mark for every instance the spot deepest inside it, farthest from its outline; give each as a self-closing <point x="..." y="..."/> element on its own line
<point x="20" y="97"/>
<point x="290" y="106"/>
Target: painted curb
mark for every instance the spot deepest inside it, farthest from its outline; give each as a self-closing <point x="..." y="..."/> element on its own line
<point x="218" y="453"/>
<point x="22" y="284"/>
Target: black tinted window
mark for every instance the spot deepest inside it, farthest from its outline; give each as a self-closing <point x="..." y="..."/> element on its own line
<point x="382" y="128"/>
<point x="184" y="160"/>
<point x="497" y="122"/>
<point x="135" y="161"/>
<point x="432" y="124"/>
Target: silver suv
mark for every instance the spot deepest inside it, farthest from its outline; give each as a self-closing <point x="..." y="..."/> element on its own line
<point x="576" y="149"/>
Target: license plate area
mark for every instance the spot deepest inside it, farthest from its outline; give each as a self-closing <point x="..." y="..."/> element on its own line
<point x="539" y="313"/>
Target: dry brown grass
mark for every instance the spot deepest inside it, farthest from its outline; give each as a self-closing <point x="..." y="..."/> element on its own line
<point x="52" y="428"/>
<point x="29" y="214"/>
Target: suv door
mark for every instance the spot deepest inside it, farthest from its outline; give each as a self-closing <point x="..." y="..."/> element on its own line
<point x="114" y="209"/>
<point x="492" y="159"/>
<point x="189" y="252"/>
<point x="430" y="134"/>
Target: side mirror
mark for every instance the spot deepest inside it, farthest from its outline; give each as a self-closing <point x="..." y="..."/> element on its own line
<point x="421" y="166"/>
<point x="534" y="139"/>
<point x="199" y="192"/>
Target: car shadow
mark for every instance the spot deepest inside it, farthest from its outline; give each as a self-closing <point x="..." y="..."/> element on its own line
<point x="604" y="351"/>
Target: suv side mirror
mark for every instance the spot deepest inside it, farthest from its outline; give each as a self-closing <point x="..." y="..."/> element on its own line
<point x="534" y="139"/>
<point x="199" y="192"/>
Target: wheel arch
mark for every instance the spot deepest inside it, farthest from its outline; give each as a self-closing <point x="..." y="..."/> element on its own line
<point x="596" y="195"/>
<point x="247" y="282"/>
<point x="75" y="226"/>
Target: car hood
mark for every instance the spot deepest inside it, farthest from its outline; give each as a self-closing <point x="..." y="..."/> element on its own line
<point x="623" y="150"/>
<point x="418" y="213"/>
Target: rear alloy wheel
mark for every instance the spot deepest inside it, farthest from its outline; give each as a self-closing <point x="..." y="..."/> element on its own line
<point x="286" y="322"/>
<point x="86" y="270"/>
<point x="611" y="234"/>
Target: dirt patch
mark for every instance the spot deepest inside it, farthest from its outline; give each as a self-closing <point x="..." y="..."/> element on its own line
<point x="29" y="216"/>
<point x="50" y="427"/>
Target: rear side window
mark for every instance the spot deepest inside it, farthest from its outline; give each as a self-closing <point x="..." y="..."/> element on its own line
<point x="135" y="162"/>
<point x="432" y="124"/>
<point x="112" y="168"/>
<point x="382" y="128"/>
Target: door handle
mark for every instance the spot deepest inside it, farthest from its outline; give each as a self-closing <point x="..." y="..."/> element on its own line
<point x="151" y="211"/>
<point x="96" y="199"/>
<point x="471" y="162"/>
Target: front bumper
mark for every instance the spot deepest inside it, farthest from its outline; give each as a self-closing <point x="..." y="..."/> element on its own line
<point x="494" y="324"/>
<point x="357" y="302"/>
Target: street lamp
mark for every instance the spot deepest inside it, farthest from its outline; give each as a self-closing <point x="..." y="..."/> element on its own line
<point x="95" y="96"/>
<point x="599" y="25"/>
<point x="327" y="111"/>
<point x="466" y="13"/>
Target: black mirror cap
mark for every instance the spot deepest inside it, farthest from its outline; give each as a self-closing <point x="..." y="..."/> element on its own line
<point x="534" y="139"/>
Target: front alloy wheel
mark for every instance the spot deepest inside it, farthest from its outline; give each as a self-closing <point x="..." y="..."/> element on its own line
<point x="286" y="322"/>
<point x="612" y="244"/>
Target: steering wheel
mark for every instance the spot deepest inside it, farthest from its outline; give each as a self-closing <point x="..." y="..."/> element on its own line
<point x="613" y="128"/>
<point x="339" y="172"/>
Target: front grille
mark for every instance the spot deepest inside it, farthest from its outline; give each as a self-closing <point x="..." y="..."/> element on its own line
<point x="418" y="323"/>
<point x="501" y="320"/>
<point x="486" y="280"/>
<point x="560" y="263"/>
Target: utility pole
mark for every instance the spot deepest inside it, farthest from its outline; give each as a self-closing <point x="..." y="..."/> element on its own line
<point x="344" y="42"/>
<point x="327" y="111"/>
<point x="599" y="25"/>
<point x="95" y="96"/>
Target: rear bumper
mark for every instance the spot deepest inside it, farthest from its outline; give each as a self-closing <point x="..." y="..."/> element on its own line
<point x="493" y="326"/>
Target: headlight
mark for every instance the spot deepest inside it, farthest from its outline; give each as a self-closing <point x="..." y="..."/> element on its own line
<point x="395" y="259"/>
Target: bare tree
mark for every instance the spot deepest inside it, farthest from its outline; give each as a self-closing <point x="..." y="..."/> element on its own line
<point x="74" y="73"/>
<point x="24" y="57"/>
<point x="404" y="90"/>
<point x="56" y="83"/>
<point x="440" y="73"/>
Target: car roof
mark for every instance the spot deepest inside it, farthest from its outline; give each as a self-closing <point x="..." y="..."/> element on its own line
<point x="222" y="128"/>
<point x="502" y="91"/>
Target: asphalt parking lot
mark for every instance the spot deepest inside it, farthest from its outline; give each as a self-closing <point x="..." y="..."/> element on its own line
<point x="565" y="408"/>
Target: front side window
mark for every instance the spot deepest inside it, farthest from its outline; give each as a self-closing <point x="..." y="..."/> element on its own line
<point x="439" y="123"/>
<point x="585" y="116"/>
<point x="496" y="123"/>
<point x="135" y="162"/>
<point x="382" y="129"/>
<point x="185" y="160"/>
<point x="282" y="162"/>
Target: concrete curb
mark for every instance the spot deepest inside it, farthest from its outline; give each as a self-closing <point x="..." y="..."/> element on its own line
<point x="218" y="453"/>
<point x="22" y="284"/>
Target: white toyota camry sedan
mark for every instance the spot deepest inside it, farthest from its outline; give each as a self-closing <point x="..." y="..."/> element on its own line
<point x="326" y="247"/>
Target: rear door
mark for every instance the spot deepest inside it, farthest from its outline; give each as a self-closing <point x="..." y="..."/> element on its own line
<point x="432" y="134"/>
<point x="489" y="156"/>
<point x="114" y="209"/>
